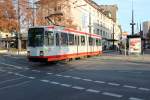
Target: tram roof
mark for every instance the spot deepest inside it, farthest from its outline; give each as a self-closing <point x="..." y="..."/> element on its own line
<point x="59" y="28"/>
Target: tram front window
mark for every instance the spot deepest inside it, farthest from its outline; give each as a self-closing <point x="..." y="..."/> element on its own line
<point x="35" y="37"/>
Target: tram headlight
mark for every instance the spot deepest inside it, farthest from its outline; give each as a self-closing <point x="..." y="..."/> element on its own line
<point x="41" y="53"/>
<point x="28" y="53"/>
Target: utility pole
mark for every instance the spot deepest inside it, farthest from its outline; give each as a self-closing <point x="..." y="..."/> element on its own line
<point x="113" y="37"/>
<point x="19" y="41"/>
<point x="90" y="26"/>
<point x="132" y="23"/>
<point x="33" y="8"/>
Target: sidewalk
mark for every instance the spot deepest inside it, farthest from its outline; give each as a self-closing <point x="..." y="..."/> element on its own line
<point x="10" y="52"/>
<point x="114" y="55"/>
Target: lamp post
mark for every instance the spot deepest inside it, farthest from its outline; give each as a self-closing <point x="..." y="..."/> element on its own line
<point x="113" y="37"/>
<point x="132" y="23"/>
<point x="19" y="41"/>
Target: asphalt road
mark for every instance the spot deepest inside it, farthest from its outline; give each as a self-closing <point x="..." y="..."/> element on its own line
<point x="93" y="78"/>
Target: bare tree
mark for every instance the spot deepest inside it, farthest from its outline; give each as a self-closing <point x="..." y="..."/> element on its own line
<point x="57" y="10"/>
<point x="8" y="18"/>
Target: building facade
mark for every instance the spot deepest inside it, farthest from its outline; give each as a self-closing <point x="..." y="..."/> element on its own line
<point x="146" y="28"/>
<point x="85" y="15"/>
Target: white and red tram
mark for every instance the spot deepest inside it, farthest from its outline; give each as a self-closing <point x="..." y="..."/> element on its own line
<point x="53" y="43"/>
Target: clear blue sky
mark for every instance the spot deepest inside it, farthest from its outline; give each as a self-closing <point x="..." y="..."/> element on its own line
<point x="141" y="7"/>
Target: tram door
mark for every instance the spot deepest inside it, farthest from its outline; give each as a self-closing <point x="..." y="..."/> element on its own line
<point x="77" y="43"/>
<point x="58" y="43"/>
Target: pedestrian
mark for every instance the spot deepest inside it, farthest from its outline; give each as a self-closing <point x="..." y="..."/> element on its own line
<point x="120" y="51"/>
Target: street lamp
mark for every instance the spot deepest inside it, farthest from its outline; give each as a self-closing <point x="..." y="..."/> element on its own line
<point x="132" y="23"/>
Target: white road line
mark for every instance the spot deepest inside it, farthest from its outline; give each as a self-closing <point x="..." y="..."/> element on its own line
<point x="112" y="94"/>
<point x="21" y="75"/>
<point x="12" y="65"/>
<point x="45" y="81"/>
<point x="10" y="72"/>
<point x="66" y="76"/>
<point x="31" y="77"/>
<point x="56" y="83"/>
<point x="26" y="68"/>
<point x="58" y="75"/>
<point x="101" y="82"/>
<point x="11" y="80"/>
<point x="78" y="87"/>
<point x="65" y="85"/>
<point x="89" y="80"/>
<point x="92" y="90"/>
<point x="144" y="89"/>
<point x="16" y="85"/>
<point x="36" y="71"/>
<point x="113" y="84"/>
<point x="2" y="70"/>
<point x="49" y="73"/>
<point x="77" y="78"/>
<point x="128" y="86"/>
<point x="133" y="98"/>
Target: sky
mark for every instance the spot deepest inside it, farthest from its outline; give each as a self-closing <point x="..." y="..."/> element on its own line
<point x="141" y="11"/>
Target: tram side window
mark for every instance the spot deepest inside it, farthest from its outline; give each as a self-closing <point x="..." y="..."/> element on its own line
<point x="98" y="42"/>
<point x="49" y="38"/>
<point x="94" y="40"/>
<point x="57" y="39"/>
<point x="82" y="40"/>
<point x="71" y="39"/>
<point x="64" y="39"/>
<point x="90" y="41"/>
<point x="77" y="40"/>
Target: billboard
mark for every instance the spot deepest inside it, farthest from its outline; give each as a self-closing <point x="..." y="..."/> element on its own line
<point x="135" y="45"/>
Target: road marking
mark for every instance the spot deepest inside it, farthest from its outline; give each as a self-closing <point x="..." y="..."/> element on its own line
<point x="144" y="89"/>
<point x="16" y="85"/>
<point x="56" y="83"/>
<point x="11" y="80"/>
<point x="89" y="80"/>
<point x="92" y="90"/>
<point x="2" y="70"/>
<point x="133" y="98"/>
<point x="113" y="84"/>
<point x="31" y="77"/>
<point x="58" y="75"/>
<point x="101" y="82"/>
<point x="77" y="78"/>
<point x="26" y="68"/>
<point x="10" y="72"/>
<point x="44" y="80"/>
<point x="49" y="73"/>
<point x="36" y="71"/>
<point x="112" y="94"/>
<point x="65" y="85"/>
<point x="67" y="76"/>
<point x="128" y="86"/>
<point x="12" y="65"/>
<point x="78" y="87"/>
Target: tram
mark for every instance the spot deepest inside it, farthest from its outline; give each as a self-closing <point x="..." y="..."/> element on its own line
<point x="54" y="43"/>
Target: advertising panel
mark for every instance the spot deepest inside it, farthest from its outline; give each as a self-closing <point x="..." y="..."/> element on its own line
<point x="135" y="45"/>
